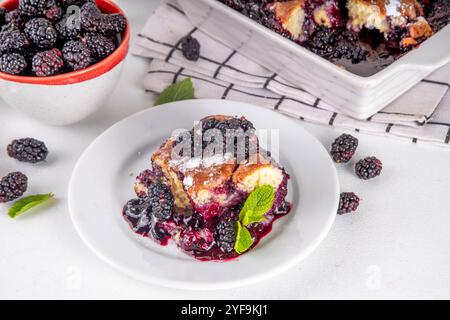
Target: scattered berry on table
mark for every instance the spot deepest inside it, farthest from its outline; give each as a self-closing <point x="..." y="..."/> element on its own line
<point x="349" y="202"/>
<point x="12" y="63"/>
<point x="77" y="55"/>
<point x="41" y="32"/>
<point x="161" y="201"/>
<point x="12" y="39"/>
<point x="27" y="150"/>
<point x="48" y="63"/>
<point x="100" y="46"/>
<point x="343" y="148"/>
<point x="13" y="186"/>
<point x="368" y="168"/>
<point x="190" y="48"/>
<point x="225" y="235"/>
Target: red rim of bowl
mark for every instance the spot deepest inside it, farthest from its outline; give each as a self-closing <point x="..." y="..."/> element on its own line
<point x="89" y="73"/>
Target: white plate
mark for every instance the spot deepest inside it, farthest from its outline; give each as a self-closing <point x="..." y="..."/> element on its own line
<point x="103" y="179"/>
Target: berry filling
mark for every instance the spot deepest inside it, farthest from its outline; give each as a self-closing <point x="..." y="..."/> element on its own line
<point x="205" y="205"/>
<point x="362" y="36"/>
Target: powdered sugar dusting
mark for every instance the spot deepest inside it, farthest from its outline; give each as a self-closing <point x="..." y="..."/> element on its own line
<point x="188" y="164"/>
<point x="188" y="181"/>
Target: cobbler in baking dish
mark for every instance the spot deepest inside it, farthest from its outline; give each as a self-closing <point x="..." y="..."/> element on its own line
<point x="212" y="190"/>
<point x="363" y="36"/>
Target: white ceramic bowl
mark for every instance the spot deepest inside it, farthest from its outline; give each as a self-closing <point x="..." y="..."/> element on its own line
<point x="357" y="96"/>
<point x="71" y="97"/>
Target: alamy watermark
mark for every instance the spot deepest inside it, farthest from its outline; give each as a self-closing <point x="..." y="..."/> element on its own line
<point x="230" y="145"/>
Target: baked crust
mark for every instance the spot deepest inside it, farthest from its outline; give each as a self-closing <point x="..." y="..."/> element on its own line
<point x="383" y="14"/>
<point x="196" y="182"/>
<point x="291" y="14"/>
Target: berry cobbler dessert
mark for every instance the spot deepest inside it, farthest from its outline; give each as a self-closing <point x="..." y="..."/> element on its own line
<point x="48" y="37"/>
<point x="212" y="190"/>
<point x="363" y="36"/>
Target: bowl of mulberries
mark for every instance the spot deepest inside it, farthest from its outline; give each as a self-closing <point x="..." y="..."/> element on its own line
<point x="61" y="59"/>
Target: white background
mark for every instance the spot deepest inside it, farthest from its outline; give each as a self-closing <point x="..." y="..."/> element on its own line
<point x="397" y="246"/>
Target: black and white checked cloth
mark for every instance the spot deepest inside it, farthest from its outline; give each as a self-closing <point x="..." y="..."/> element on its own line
<point x="422" y="115"/>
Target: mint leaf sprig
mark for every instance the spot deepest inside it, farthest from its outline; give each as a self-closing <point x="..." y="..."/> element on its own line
<point x="183" y="90"/>
<point x="27" y="203"/>
<point x="257" y="204"/>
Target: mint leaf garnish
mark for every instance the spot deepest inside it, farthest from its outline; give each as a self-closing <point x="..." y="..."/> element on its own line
<point x="257" y="204"/>
<point x="243" y="240"/>
<point x="25" y="204"/>
<point x="183" y="90"/>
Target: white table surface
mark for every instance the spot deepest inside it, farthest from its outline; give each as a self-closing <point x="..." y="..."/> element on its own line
<point x="397" y="246"/>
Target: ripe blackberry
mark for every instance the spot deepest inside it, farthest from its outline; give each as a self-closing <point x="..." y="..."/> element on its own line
<point x="27" y="150"/>
<point x="34" y="8"/>
<point x="91" y="17"/>
<point x="190" y="47"/>
<point x="68" y="3"/>
<point x="41" y="32"/>
<point x="235" y="124"/>
<point x="12" y="63"/>
<point x="368" y="168"/>
<point x="343" y="148"/>
<point x="15" y="18"/>
<point x="12" y="39"/>
<point x="209" y="124"/>
<point x="146" y="178"/>
<point x="335" y="44"/>
<point x="235" y="131"/>
<point x="225" y="235"/>
<point x="112" y="24"/>
<point x="47" y="63"/>
<point x="324" y="41"/>
<point x="13" y="186"/>
<point x="100" y="46"/>
<point x="54" y="13"/>
<point x="77" y="55"/>
<point x="161" y="201"/>
<point x="68" y="29"/>
<point x="349" y="202"/>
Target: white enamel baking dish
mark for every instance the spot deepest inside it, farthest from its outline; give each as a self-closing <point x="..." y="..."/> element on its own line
<point x="357" y="96"/>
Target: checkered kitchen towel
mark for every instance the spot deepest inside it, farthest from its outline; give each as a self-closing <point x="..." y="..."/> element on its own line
<point x="420" y="115"/>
